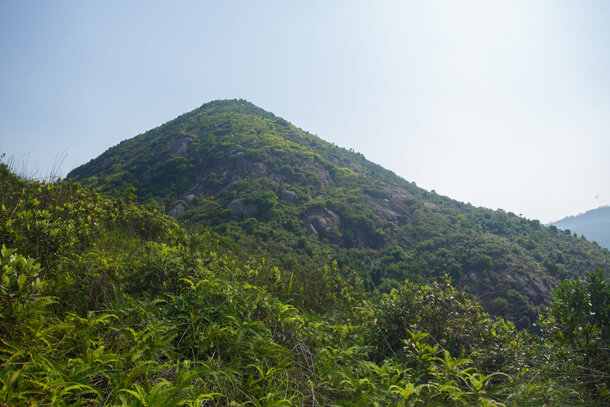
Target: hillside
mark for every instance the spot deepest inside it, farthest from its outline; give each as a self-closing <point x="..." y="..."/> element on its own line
<point x="276" y="190"/>
<point x="593" y="224"/>
<point x="109" y="303"/>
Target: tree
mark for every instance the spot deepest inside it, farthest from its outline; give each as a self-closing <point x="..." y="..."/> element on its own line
<point x="580" y="326"/>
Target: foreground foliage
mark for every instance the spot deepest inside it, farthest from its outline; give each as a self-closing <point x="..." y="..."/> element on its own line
<point x="105" y="302"/>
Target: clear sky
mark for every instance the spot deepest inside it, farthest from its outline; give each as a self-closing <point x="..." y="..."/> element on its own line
<point x="501" y="104"/>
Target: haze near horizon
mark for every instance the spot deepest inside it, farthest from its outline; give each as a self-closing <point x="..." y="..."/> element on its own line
<point x="503" y="105"/>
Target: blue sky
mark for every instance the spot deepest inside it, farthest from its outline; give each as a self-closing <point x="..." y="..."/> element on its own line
<point x="501" y="104"/>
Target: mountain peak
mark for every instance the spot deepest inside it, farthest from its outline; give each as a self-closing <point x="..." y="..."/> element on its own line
<point x="274" y="188"/>
<point x="238" y="105"/>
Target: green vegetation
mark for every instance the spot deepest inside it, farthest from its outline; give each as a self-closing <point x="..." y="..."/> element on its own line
<point x="108" y="302"/>
<point x="279" y="192"/>
<point x="290" y="272"/>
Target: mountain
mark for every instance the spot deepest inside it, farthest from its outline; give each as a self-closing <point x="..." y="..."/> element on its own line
<point x="273" y="189"/>
<point x="593" y="224"/>
<point x="107" y="302"/>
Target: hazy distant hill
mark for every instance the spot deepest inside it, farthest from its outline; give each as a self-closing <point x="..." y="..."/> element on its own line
<point x="303" y="203"/>
<point x="593" y="224"/>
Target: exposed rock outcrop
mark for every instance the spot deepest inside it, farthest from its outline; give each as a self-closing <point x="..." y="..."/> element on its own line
<point x="241" y="209"/>
<point x="325" y="223"/>
<point x="178" y="146"/>
<point x="177" y="210"/>
<point x="289" y="196"/>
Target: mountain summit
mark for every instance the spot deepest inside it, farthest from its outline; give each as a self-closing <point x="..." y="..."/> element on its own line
<point x="275" y="189"/>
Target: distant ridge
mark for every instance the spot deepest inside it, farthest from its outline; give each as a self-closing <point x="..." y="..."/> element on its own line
<point x="593" y="224"/>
